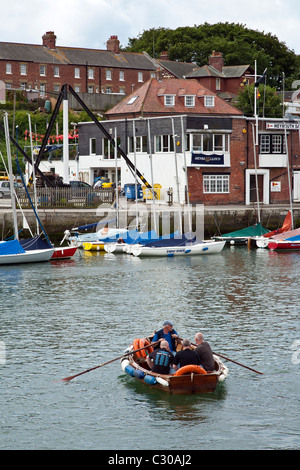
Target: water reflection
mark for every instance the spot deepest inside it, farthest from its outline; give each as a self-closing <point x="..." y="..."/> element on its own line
<point x="163" y="405"/>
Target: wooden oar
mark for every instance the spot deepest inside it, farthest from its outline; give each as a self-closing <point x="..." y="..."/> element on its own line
<point x="231" y="360"/>
<point x="67" y="379"/>
<point x="242" y="365"/>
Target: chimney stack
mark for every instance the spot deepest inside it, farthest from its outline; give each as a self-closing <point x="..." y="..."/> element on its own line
<point x="49" y="40"/>
<point x="164" y="55"/>
<point x="113" y="44"/>
<point x="216" y="60"/>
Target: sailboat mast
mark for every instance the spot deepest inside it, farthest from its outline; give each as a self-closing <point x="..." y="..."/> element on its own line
<point x="11" y="178"/>
<point x="33" y="173"/>
<point x="289" y="176"/>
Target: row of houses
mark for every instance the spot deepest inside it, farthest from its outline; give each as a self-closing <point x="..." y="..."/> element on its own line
<point x="47" y="66"/>
<point x="176" y="123"/>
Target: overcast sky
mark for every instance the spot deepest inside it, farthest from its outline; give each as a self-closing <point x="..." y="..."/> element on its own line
<point x="89" y="23"/>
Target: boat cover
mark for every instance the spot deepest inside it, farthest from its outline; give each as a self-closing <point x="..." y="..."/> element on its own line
<point x="182" y="241"/>
<point x="292" y="235"/>
<point x="35" y="243"/>
<point x="12" y="247"/>
<point x="255" y="230"/>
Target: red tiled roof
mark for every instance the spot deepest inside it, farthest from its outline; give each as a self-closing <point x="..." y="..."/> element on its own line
<point x="150" y="99"/>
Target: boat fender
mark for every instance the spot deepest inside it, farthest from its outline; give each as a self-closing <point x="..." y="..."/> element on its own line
<point x="150" y="380"/>
<point x="162" y="381"/>
<point x="139" y="374"/>
<point x="129" y="370"/>
<point x="190" y="368"/>
<point x="221" y="378"/>
<point x="142" y="343"/>
<point x="124" y="363"/>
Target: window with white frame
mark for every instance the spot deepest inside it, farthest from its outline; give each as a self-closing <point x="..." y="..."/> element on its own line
<point x="164" y="143"/>
<point x="91" y="73"/>
<point x="216" y="183"/>
<point x="169" y="100"/>
<point x="140" y="144"/>
<point x="8" y="69"/>
<point x="77" y="72"/>
<point x="23" y="85"/>
<point x="272" y="144"/>
<point x="209" y="142"/>
<point x="218" y="84"/>
<point x="77" y="88"/>
<point x="23" y="69"/>
<point x="92" y="146"/>
<point x="56" y="71"/>
<point x="189" y="101"/>
<point x="121" y="76"/>
<point x="108" y="74"/>
<point x="209" y="101"/>
<point x="56" y="88"/>
<point x="42" y="89"/>
<point x="42" y="70"/>
<point x="90" y="89"/>
<point x="140" y="77"/>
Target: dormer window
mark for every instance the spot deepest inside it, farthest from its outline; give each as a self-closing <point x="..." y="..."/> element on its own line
<point x="169" y="100"/>
<point x="189" y="101"/>
<point x="209" y="101"/>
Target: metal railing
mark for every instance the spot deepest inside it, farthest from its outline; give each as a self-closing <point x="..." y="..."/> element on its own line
<point x="66" y="197"/>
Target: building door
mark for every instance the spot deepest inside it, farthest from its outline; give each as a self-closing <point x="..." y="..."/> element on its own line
<point x="254" y="194"/>
<point x="263" y="178"/>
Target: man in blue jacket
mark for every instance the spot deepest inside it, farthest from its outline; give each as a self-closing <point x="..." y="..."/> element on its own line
<point x="167" y="333"/>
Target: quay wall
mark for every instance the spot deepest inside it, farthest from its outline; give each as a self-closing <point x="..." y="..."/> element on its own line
<point x="217" y="219"/>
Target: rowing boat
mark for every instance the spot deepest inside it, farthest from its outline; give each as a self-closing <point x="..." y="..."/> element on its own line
<point x="187" y="380"/>
<point x="172" y="248"/>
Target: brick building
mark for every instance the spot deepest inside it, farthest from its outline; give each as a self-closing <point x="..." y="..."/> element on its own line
<point x="225" y="81"/>
<point x="47" y="67"/>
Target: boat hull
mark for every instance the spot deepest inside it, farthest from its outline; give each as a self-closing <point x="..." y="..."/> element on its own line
<point x="93" y="246"/>
<point x="205" y="248"/>
<point x="32" y="256"/>
<point x="65" y="252"/>
<point x="283" y="245"/>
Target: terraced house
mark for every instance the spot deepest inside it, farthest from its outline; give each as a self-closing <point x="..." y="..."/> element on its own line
<point x="47" y="67"/>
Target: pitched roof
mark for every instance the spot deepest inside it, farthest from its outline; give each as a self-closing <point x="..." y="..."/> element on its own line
<point x="177" y="69"/>
<point x="228" y="71"/>
<point x="73" y="55"/>
<point x="149" y="100"/>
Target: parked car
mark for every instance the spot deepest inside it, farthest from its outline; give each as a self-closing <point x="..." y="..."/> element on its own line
<point x="80" y="184"/>
<point x="5" y="188"/>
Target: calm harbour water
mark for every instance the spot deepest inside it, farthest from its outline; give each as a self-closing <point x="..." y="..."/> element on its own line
<point x="61" y="318"/>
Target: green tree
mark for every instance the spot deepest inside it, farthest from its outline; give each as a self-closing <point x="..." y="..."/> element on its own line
<point x="268" y="101"/>
<point x="238" y="44"/>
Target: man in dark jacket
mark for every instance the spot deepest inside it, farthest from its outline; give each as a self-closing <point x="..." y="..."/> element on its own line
<point x="186" y="356"/>
<point x="205" y="353"/>
<point x="160" y="360"/>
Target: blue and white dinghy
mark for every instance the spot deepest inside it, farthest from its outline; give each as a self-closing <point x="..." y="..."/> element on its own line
<point x="178" y="247"/>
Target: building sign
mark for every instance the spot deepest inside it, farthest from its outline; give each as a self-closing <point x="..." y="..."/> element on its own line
<point x="275" y="186"/>
<point x="282" y="125"/>
<point x="202" y="159"/>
